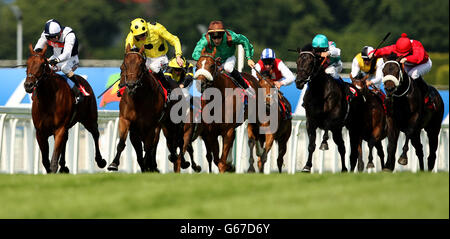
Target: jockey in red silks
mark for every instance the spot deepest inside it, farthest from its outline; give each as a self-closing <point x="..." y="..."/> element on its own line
<point x="415" y="58"/>
<point x="65" y="51"/>
<point x="274" y="69"/>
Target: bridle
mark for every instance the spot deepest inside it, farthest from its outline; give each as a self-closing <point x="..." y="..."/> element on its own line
<point x="41" y="76"/>
<point x="395" y="80"/>
<point x="314" y="72"/>
<point x="139" y="75"/>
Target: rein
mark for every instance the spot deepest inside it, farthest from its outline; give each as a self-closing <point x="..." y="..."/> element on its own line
<point x="139" y="81"/>
<point x="312" y="76"/>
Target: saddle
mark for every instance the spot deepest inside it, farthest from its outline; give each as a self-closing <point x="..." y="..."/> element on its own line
<point x="427" y="92"/>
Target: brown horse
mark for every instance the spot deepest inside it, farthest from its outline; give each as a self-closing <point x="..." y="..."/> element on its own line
<point x="54" y="111"/>
<point x="374" y="119"/>
<point x="141" y="109"/>
<point x="213" y="79"/>
<point x="281" y="135"/>
<point x="407" y="112"/>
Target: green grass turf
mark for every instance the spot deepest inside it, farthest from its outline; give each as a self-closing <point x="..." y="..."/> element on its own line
<point x="117" y="195"/>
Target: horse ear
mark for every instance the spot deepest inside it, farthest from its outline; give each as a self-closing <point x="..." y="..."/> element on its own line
<point x="203" y="50"/>
<point x="214" y="52"/>
<point x="31" y="48"/>
<point x="128" y="48"/>
<point x="142" y="50"/>
<point x="299" y="50"/>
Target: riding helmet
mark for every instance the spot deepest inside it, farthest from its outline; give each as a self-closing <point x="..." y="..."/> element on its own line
<point x="403" y="44"/>
<point x="52" y="28"/>
<point x="138" y="26"/>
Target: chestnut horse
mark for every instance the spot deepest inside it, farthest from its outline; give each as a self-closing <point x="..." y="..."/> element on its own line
<point x="408" y="113"/>
<point x="374" y="118"/>
<point x="141" y="109"/>
<point x="326" y="107"/>
<point x="54" y="111"/>
<point x="211" y="78"/>
<point x="281" y="135"/>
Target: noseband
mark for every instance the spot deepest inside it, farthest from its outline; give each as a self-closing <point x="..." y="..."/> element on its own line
<point x="208" y="75"/>
<point x="395" y="80"/>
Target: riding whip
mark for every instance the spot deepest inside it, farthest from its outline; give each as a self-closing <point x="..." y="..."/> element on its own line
<point x="372" y="65"/>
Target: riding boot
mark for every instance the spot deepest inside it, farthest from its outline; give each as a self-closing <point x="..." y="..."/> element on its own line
<point x="237" y="76"/>
<point x="78" y="90"/>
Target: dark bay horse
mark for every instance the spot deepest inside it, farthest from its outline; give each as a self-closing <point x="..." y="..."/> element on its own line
<point x="408" y="113"/>
<point x="141" y="108"/>
<point x="327" y="108"/>
<point x="374" y="119"/>
<point x="54" y="111"/>
<point x="212" y="78"/>
<point x="281" y="135"/>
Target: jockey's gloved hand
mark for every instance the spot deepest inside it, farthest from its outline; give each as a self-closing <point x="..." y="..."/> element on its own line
<point x="53" y="61"/>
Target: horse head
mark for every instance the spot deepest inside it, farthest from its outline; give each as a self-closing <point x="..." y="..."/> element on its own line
<point x="133" y="69"/>
<point x="37" y="68"/>
<point x="360" y="81"/>
<point x="206" y="67"/>
<point x="307" y="66"/>
<point x="393" y="74"/>
<point x="267" y="84"/>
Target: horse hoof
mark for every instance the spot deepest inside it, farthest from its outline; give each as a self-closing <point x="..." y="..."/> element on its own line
<point x="403" y="161"/>
<point x="344" y="170"/>
<point x="153" y="170"/>
<point x="197" y="168"/>
<point x="387" y="170"/>
<point x="306" y="169"/>
<point x="64" y="170"/>
<point x="251" y="169"/>
<point x="360" y="167"/>
<point x="113" y="167"/>
<point x="324" y="146"/>
<point x="185" y="165"/>
<point x="101" y="163"/>
<point x="370" y="165"/>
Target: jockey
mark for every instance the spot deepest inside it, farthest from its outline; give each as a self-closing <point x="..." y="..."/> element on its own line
<point x="183" y="75"/>
<point x="226" y="47"/>
<point x="329" y="50"/>
<point x="154" y="37"/>
<point x="65" y="52"/>
<point x="361" y="66"/>
<point x="416" y="59"/>
<point x="274" y="68"/>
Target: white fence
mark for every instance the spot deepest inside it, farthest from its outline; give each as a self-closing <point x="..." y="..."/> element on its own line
<point x="19" y="151"/>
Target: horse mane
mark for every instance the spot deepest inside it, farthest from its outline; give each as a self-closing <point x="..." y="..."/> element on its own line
<point x="392" y="57"/>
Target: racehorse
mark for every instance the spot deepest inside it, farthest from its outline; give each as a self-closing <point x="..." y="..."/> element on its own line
<point x="141" y="108"/>
<point x="281" y="135"/>
<point x="211" y="77"/>
<point x="327" y="108"/>
<point x="54" y="111"/>
<point x="408" y="113"/>
<point x="374" y="119"/>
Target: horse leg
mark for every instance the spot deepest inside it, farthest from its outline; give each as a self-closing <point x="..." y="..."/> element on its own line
<point x="393" y="134"/>
<point x="355" y="147"/>
<point x="228" y="139"/>
<point x="251" y="144"/>
<point x="360" y="161"/>
<point x="403" y="160"/>
<point x="433" y="141"/>
<point x="263" y="159"/>
<point x="150" y="145"/>
<point x="324" y="144"/>
<point x="43" y="145"/>
<point x="415" y="141"/>
<point x="380" y="152"/>
<point x="171" y="142"/>
<point x="371" y="144"/>
<point x="124" y="126"/>
<point x="282" y="148"/>
<point x="62" y="160"/>
<point x="60" y="134"/>
<point x="311" y="130"/>
<point x="337" y="138"/>
<point x="197" y="168"/>
<point x="137" y="145"/>
<point x="93" y="129"/>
